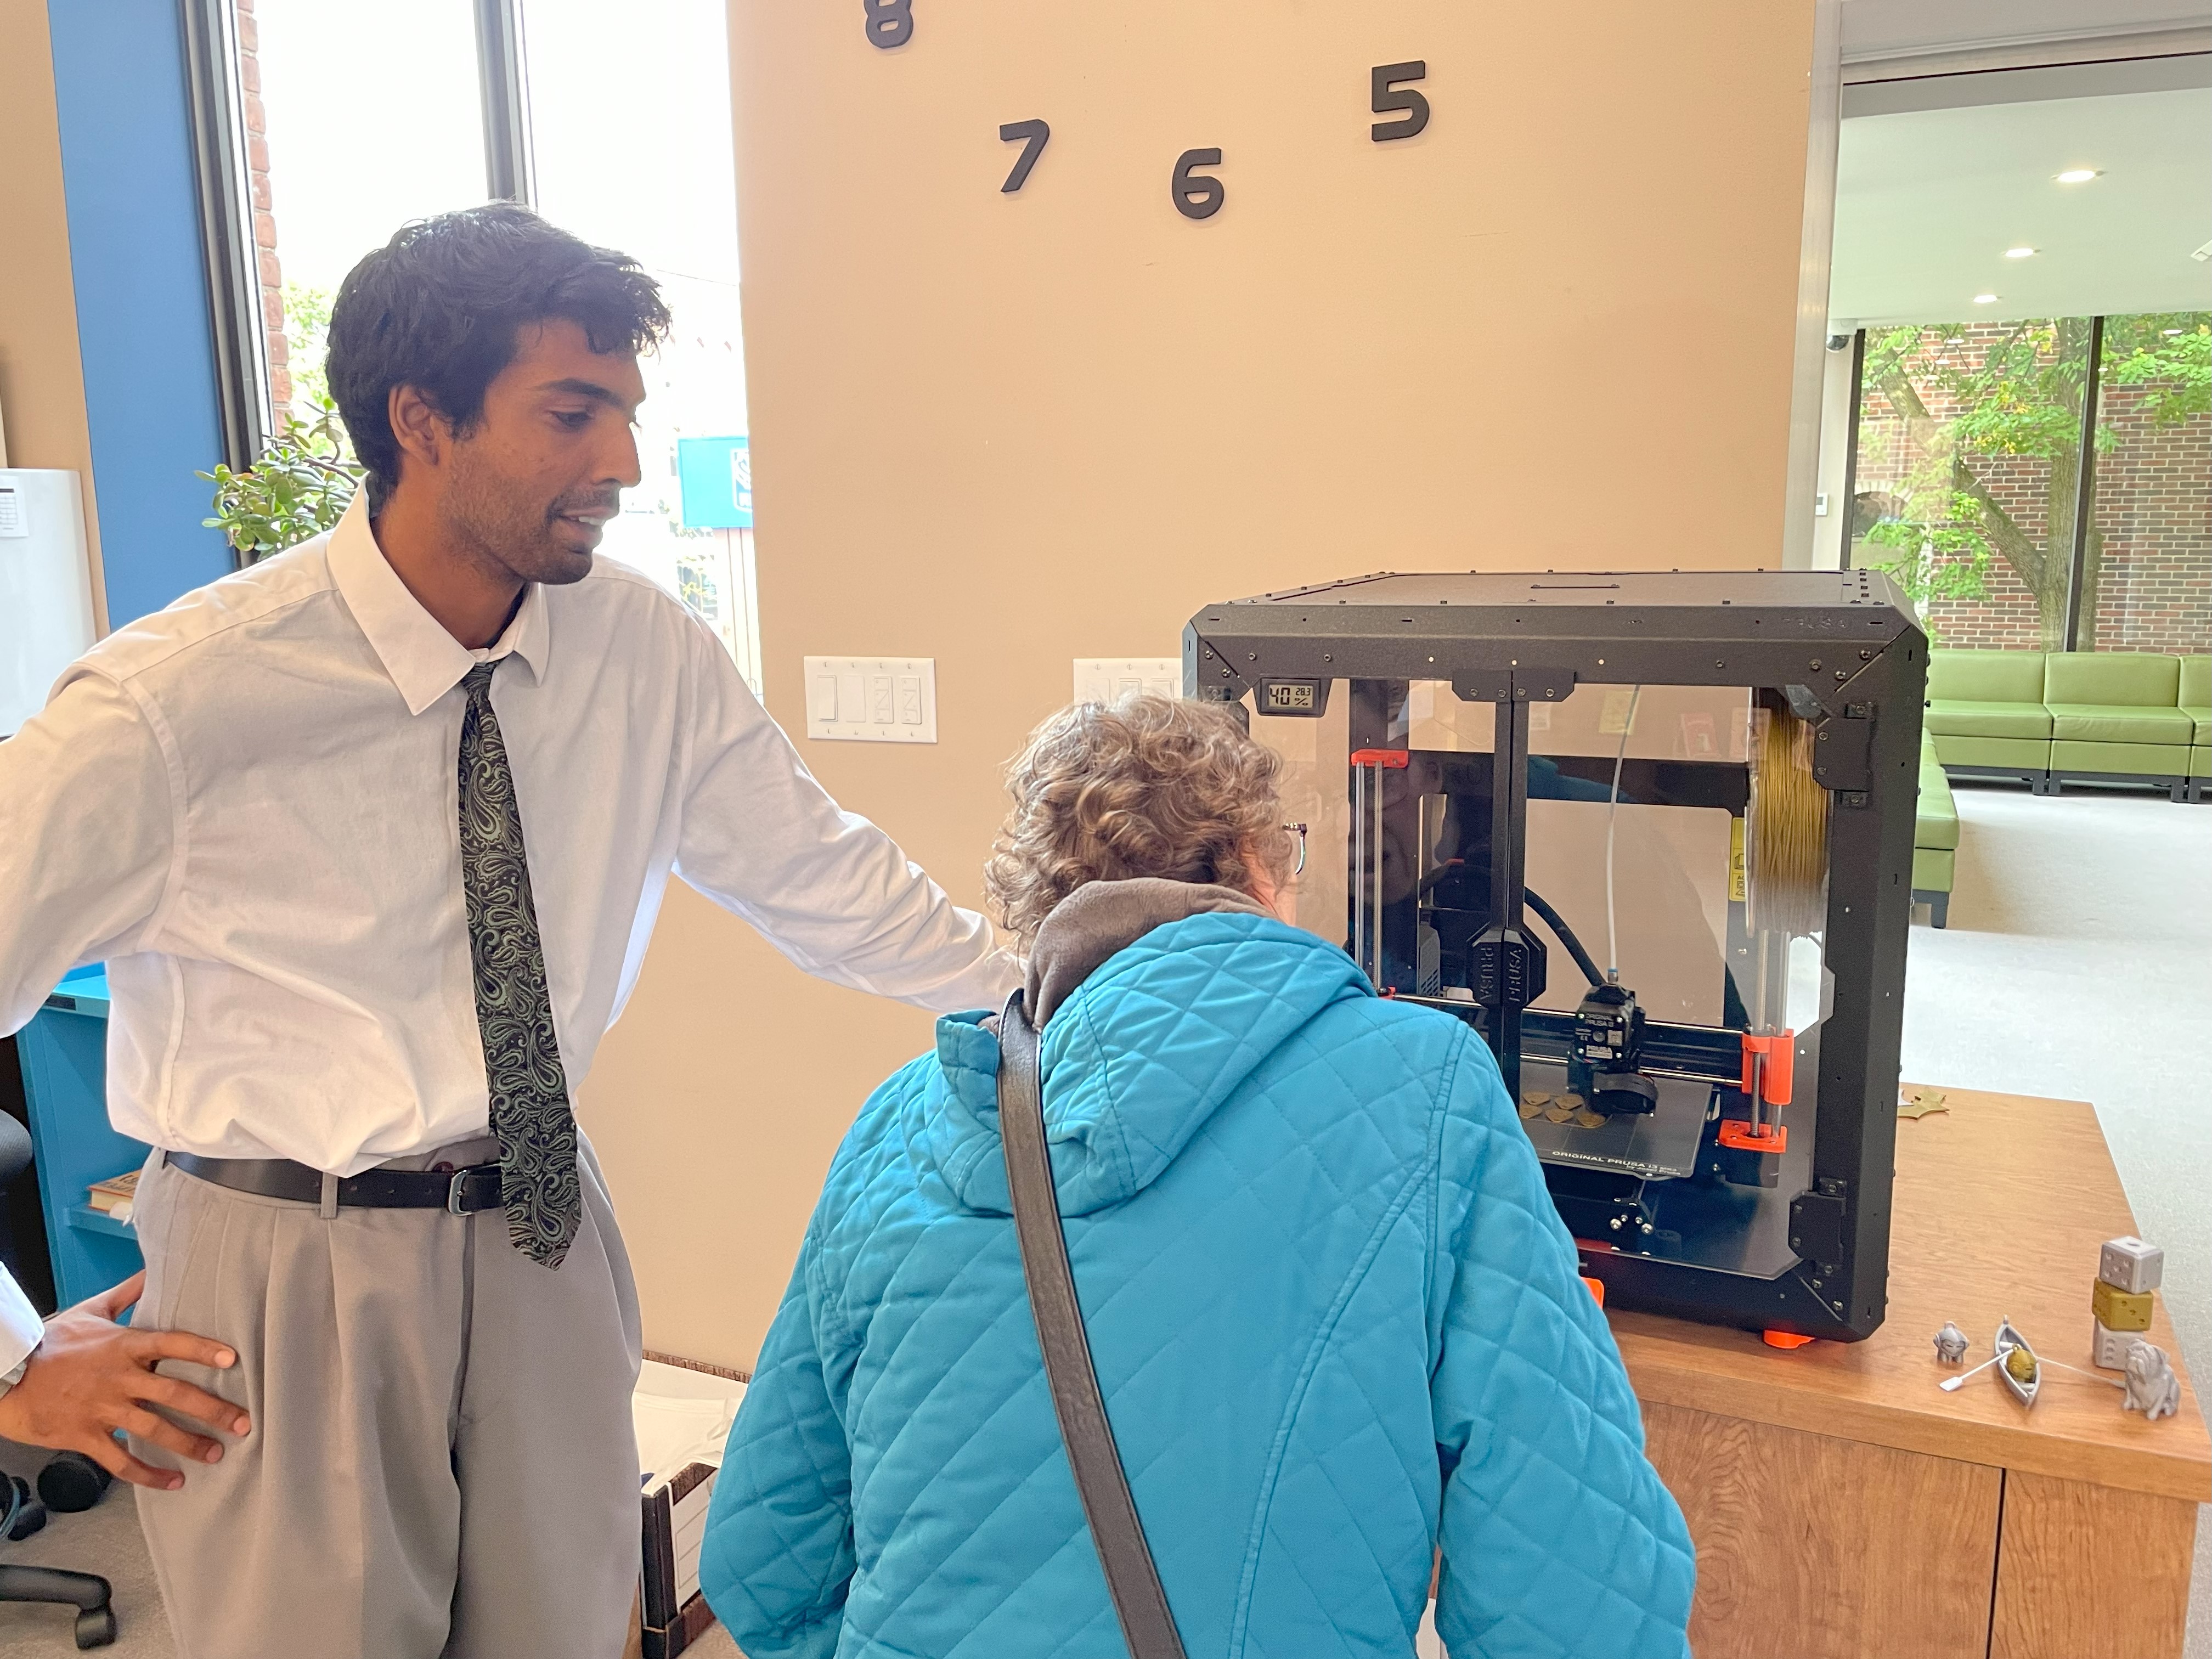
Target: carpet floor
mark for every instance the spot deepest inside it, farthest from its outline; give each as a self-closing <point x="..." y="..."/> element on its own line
<point x="2079" y="948"/>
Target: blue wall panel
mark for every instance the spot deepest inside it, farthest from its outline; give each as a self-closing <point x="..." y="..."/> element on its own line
<point x="141" y="299"/>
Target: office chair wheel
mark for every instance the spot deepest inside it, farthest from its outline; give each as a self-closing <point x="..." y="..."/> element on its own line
<point x="95" y="1627"/>
<point x="22" y="1513"/>
<point x="71" y="1482"/>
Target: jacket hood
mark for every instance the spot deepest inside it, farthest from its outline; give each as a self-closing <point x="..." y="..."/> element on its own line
<point x="1136" y="1059"/>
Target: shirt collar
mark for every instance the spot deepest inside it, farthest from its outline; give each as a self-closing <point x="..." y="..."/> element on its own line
<point x="424" y="660"/>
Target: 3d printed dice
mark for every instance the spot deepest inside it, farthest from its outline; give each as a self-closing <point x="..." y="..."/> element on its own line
<point x="2129" y="1264"/>
<point x="2128" y="1271"/>
<point x="2108" y="1349"/>
<point x="2117" y="1309"/>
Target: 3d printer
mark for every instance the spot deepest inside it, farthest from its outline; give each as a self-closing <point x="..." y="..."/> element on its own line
<point x="1652" y="836"/>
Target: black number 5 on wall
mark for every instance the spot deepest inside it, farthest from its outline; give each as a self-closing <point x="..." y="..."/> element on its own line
<point x="1389" y="100"/>
<point x="890" y="22"/>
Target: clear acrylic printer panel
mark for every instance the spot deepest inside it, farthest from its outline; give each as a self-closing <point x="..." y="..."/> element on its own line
<point x="1407" y="888"/>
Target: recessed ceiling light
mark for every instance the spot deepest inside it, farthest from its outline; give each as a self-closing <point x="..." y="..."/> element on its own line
<point x="1985" y="299"/>
<point x="2020" y="253"/>
<point x="2078" y="175"/>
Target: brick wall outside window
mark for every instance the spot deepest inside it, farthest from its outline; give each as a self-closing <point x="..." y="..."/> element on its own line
<point x="264" y="213"/>
<point x="2153" y="507"/>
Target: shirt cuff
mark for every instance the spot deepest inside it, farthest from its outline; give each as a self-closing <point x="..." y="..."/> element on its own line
<point x="21" y="1327"/>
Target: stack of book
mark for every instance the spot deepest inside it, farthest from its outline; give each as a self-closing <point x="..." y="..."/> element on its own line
<point x="113" y="1196"/>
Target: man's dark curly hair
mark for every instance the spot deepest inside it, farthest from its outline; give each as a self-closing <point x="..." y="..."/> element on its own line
<point x="438" y="307"/>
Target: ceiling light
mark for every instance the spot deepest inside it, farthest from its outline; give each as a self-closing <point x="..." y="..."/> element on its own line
<point x="2019" y="252"/>
<point x="1985" y="299"/>
<point x="2169" y="332"/>
<point x="2078" y="175"/>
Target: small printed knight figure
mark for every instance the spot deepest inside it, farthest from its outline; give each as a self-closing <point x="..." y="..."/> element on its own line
<point x="1950" y="1344"/>
<point x="2153" y="1388"/>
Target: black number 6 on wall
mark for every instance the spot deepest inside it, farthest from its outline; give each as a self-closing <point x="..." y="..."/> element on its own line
<point x="1197" y="195"/>
<point x="1389" y="100"/>
<point x="890" y="22"/>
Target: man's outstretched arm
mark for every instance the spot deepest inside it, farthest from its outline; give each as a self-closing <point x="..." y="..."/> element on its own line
<point x="87" y="843"/>
<point x="826" y="887"/>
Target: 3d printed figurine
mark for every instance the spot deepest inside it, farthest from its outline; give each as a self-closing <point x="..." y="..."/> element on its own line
<point x="1951" y="1343"/>
<point x="2153" y="1388"/>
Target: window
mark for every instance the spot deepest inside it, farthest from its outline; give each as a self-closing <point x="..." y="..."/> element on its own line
<point x="659" y="183"/>
<point x="2016" y="516"/>
<point x="358" y="120"/>
<point x="334" y="125"/>
<point x="2147" y="566"/>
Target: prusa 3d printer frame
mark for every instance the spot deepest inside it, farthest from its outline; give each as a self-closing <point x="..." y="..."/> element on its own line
<point x="1778" y="1220"/>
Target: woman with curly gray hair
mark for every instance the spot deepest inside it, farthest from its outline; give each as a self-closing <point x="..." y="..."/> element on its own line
<point x="1336" y="1320"/>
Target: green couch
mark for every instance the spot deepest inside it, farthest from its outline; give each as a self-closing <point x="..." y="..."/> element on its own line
<point x="2115" y="715"/>
<point x="1934" y="837"/>
<point x="1985" y="713"/>
<point x="2108" y="716"/>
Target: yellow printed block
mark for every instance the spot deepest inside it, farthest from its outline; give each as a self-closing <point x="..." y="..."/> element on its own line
<point x="2120" y="1311"/>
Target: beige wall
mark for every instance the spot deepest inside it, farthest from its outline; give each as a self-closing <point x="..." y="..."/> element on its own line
<point x="1555" y="331"/>
<point x="41" y="379"/>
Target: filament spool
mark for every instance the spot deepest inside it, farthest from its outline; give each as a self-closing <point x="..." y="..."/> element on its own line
<point x="1786" y="849"/>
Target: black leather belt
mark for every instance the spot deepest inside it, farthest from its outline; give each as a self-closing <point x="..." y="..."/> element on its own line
<point x="458" y="1192"/>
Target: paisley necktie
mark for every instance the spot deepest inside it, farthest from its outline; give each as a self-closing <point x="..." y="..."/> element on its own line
<point x="530" y="1111"/>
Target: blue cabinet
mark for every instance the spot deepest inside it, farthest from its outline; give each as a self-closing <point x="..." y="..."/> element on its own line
<point x="65" y="1058"/>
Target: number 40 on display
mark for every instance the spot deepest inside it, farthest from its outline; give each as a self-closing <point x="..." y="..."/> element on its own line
<point x="1196" y="195"/>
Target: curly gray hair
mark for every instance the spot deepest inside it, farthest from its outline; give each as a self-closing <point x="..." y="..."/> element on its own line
<point x="1146" y="786"/>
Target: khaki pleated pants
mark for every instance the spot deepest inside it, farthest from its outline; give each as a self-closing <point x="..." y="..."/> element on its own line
<point x="441" y="1462"/>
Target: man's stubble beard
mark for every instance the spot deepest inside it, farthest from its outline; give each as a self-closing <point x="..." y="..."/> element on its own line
<point x="506" y="533"/>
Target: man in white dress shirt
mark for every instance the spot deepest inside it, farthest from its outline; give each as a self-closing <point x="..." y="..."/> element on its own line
<point x="372" y="836"/>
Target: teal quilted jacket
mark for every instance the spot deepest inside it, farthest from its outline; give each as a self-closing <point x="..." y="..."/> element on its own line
<point x="1335" y="1318"/>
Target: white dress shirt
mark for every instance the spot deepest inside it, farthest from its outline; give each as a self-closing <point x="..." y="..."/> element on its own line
<point x="247" y="806"/>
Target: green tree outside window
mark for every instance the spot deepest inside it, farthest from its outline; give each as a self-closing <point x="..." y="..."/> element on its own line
<point x="2018" y="396"/>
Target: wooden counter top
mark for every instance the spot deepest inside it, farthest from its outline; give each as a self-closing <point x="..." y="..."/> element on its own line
<point x="2000" y="1203"/>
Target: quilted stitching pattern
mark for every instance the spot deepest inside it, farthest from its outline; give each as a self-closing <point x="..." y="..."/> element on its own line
<point x="1335" y="1315"/>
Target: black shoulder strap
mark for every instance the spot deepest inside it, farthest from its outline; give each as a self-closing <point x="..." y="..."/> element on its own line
<point x="1132" y="1580"/>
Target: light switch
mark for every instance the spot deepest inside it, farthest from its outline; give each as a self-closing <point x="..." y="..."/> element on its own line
<point x="871" y="699"/>
<point x="1102" y="679"/>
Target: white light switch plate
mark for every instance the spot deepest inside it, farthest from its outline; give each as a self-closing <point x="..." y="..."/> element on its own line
<point x="871" y="699"/>
<point x="1102" y="679"/>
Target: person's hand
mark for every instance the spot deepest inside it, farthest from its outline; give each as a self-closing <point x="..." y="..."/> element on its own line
<point x="89" y="1377"/>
